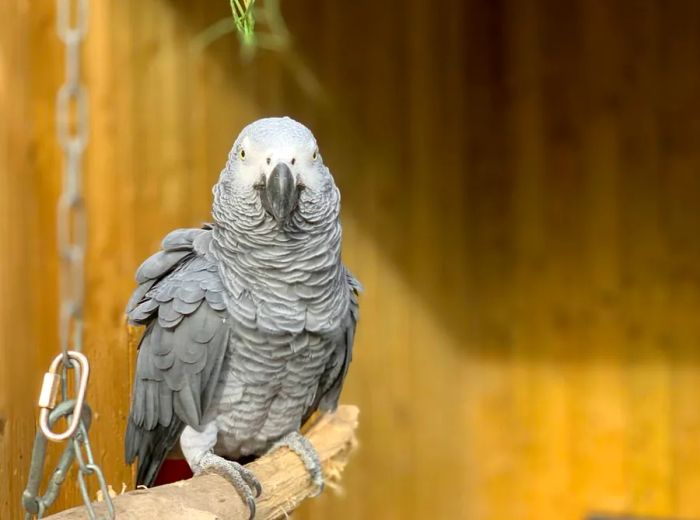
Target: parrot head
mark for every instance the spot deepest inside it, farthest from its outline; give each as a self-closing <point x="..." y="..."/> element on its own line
<point x="274" y="159"/>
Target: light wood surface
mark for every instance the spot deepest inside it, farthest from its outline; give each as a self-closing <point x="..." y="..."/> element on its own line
<point x="520" y="199"/>
<point x="284" y="480"/>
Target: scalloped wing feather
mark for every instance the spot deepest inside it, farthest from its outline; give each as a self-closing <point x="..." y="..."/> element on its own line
<point x="181" y="351"/>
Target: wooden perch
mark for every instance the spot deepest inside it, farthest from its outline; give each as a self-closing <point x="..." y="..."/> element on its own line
<point x="284" y="479"/>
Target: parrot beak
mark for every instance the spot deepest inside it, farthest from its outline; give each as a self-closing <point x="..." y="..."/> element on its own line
<point x="279" y="197"/>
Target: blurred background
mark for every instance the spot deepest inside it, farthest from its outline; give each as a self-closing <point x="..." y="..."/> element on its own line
<point x="521" y="200"/>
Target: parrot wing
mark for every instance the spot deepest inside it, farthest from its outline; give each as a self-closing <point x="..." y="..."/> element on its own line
<point x="332" y="379"/>
<point x="180" y="299"/>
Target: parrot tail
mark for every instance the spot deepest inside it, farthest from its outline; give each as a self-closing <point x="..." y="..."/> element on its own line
<point x="151" y="447"/>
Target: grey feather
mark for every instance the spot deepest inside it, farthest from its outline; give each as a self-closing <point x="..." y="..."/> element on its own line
<point x="181" y="239"/>
<point x="338" y="368"/>
<point x="159" y="264"/>
<point x="182" y="307"/>
<point x="138" y="295"/>
<point x="191" y="293"/>
<point x="180" y="353"/>
<point x="250" y="322"/>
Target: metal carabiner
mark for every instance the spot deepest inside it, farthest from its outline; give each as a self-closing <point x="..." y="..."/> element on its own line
<point x="49" y="394"/>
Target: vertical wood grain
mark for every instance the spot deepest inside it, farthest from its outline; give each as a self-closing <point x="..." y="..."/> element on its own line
<point x="520" y="200"/>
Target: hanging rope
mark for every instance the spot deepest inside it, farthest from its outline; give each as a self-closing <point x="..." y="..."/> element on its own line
<point x="72" y="133"/>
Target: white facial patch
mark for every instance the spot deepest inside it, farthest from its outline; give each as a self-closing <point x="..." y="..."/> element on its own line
<point x="268" y="142"/>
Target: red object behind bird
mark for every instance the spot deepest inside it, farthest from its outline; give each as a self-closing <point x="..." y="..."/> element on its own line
<point x="173" y="470"/>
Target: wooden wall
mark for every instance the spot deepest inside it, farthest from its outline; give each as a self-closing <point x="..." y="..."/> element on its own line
<point x="521" y="195"/>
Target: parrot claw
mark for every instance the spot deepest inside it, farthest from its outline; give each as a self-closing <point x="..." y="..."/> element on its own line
<point x="242" y="479"/>
<point x="251" y="507"/>
<point x="300" y="445"/>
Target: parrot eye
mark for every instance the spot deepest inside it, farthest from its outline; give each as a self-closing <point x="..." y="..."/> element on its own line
<point x="241" y="154"/>
<point x="315" y="155"/>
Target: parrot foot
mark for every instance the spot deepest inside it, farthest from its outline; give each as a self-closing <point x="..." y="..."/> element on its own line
<point x="245" y="482"/>
<point x="300" y="445"/>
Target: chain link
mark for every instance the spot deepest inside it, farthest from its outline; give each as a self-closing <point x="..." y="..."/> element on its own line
<point x="72" y="107"/>
<point x="82" y="442"/>
<point x="32" y="502"/>
<point x="72" y="129"/>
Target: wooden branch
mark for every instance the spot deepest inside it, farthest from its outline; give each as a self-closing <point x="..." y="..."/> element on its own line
<point x="284" y="479"/>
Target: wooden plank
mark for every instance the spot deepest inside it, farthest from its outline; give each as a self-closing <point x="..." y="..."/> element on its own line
<point x="519" y="198"/>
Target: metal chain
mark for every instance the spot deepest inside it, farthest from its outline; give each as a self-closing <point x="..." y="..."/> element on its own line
<point x="72" y="132"/>
<point x="72" y="100"/>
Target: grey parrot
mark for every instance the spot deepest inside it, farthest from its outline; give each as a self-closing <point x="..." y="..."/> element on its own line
<point x="250" y="320"/>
